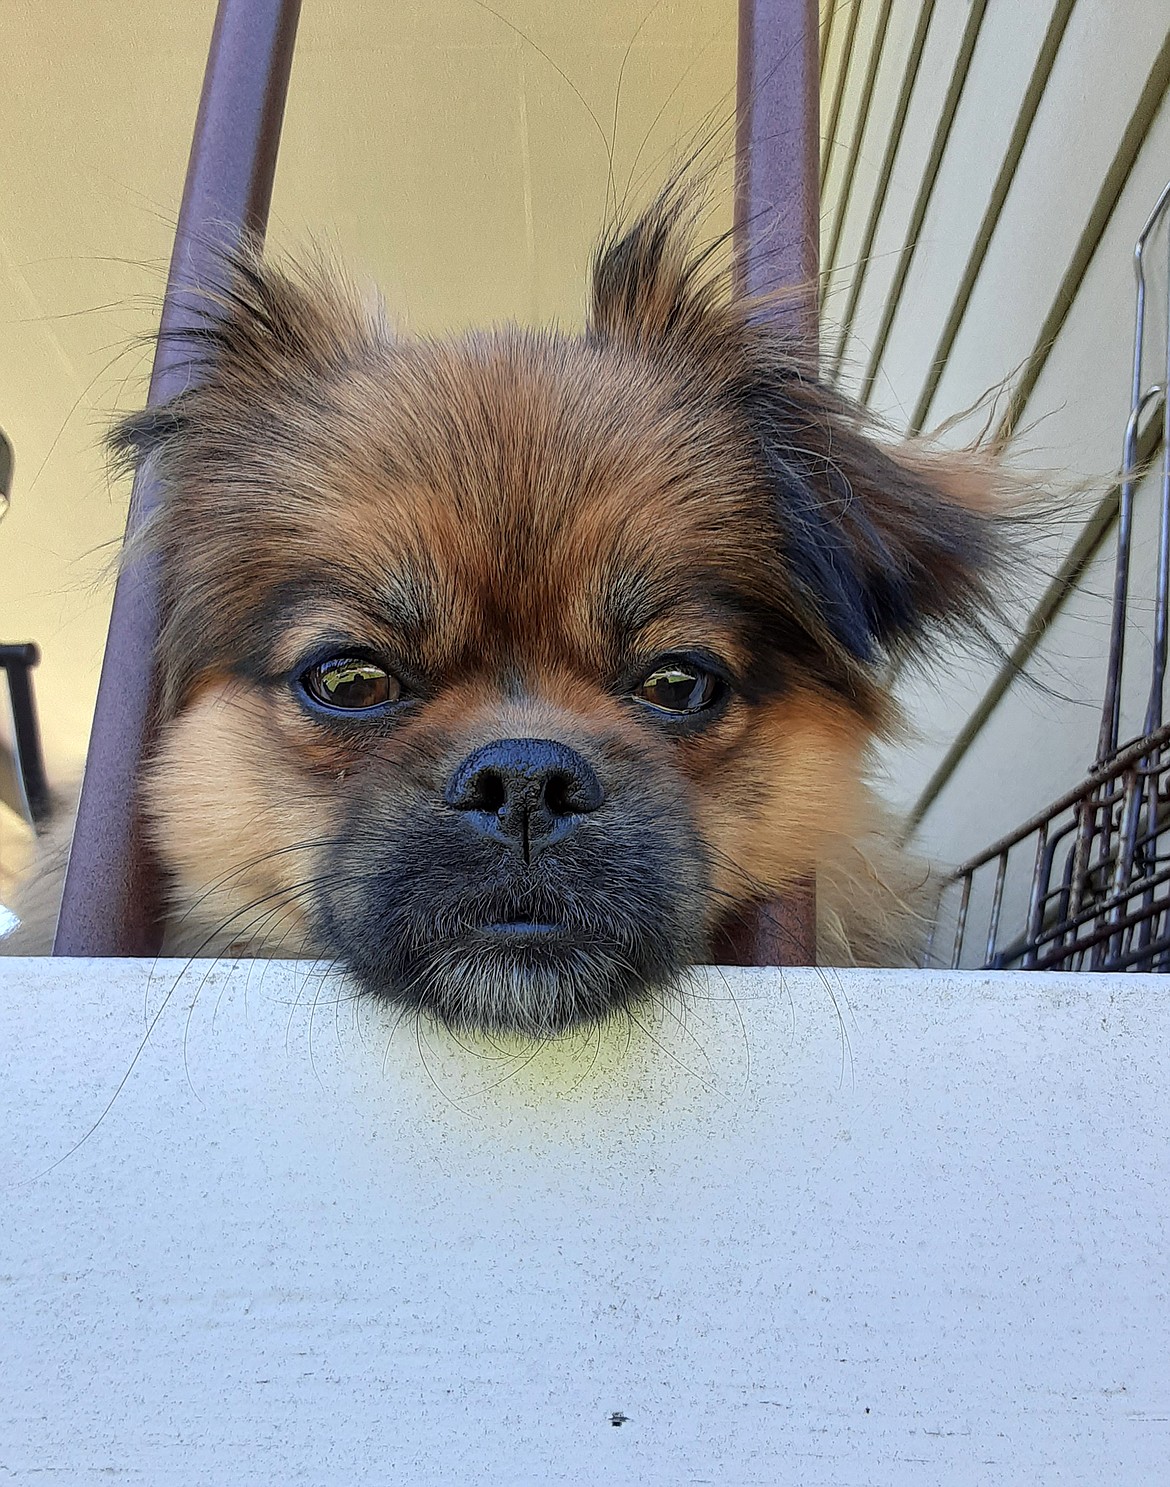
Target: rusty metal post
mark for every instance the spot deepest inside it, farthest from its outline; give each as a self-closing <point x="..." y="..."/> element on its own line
<point x="777" y="192"/>
<point x="777" y="222"/>
<point x="111" y="900"/>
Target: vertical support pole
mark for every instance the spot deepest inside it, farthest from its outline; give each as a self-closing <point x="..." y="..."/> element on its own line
<point x="777" y="194"/>
<point x="111" y="900"/>
<point x="777" y="222"/>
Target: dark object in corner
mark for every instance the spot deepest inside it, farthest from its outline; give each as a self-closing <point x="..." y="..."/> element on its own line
<point x="17" y="662"/>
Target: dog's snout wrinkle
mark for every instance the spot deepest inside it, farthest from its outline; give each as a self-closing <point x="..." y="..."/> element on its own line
<point x="524" y="792"/>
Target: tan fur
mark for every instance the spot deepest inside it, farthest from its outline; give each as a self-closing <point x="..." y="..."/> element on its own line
<point x="37" y="894"/>
<point x="241" y="802"/>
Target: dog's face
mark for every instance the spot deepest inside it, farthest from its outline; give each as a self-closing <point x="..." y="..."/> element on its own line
<point x="505" y="669"/>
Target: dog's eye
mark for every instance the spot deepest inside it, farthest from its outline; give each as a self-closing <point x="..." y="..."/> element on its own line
<point x="350" y="684"/>
<point x="679" y="687"/>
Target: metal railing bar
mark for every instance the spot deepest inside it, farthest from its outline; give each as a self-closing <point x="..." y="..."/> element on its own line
<point x="1162" y="589"/>
<point x="111" y="903"/>
<point x="776" y="247"/>
<point x="17" y="662"/>
<point x="1116" y="766"/>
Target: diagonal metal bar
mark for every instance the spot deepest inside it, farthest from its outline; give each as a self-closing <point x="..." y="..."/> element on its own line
<point x="111" y="899"/>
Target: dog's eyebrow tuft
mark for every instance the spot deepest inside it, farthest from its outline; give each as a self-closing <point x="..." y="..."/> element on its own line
<point x="405" y="598"/>
<point x="394" y="607"/>
<point x="630" y="602"/>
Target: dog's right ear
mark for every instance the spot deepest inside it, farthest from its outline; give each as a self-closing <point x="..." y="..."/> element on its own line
<point x="136" y="438"/>
<point x="254" y="330"/>
<point x="882" y="541"/>
<point x="650" y="291"/>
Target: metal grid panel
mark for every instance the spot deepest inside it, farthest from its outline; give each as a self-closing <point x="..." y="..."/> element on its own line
<point x="1094" y="868"/>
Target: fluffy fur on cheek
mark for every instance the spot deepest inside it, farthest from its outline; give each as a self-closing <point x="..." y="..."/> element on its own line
<point x="792" y="787"/>
<point x="242" y="831"/>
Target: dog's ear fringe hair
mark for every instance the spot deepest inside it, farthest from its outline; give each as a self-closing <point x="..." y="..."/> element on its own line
<point x="650" y="289"/>
<point x="888" y="540"/>
<point x="301" y="319"/>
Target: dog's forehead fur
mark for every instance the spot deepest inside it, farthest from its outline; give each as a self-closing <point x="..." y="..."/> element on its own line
<point x="517" y="476"/>
<point x="513" y="494"/>
<point x="506" y="498"/>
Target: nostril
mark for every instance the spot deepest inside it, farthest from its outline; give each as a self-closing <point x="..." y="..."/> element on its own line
<point x="558" y="792"/>
<point x="488" y="791"/>
<point x="482" y="789"/>
<point x="572" y="794"/>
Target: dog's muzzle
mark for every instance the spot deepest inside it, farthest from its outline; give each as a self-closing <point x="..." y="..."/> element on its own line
<point x="527" y="890"/>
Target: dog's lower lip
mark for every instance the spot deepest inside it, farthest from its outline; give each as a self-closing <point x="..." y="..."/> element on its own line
<point x="524" y="928"/>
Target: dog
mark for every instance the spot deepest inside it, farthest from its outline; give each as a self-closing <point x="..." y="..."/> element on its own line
<point x="505" y="670"/>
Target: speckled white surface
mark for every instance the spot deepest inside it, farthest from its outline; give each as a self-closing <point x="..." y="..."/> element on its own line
<point x="858" y="1228"/>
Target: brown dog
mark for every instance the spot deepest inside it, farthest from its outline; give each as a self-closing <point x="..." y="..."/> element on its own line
<point x="503" y="669"/>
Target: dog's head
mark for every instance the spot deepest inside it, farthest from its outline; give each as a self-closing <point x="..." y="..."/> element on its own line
<point x="503" y="669"/>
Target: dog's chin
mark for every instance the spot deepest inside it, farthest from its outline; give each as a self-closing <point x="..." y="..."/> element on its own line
<point x="534" y="986"/>
<point x="510" y="974"/>
<point x="533" y="983"/>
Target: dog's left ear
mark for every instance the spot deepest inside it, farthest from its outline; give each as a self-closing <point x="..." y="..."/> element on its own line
<point x="889" y="541"/>
<point x="881" y="541"/>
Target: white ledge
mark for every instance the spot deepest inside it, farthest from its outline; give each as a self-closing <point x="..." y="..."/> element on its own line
<point x="816" y="1228"/>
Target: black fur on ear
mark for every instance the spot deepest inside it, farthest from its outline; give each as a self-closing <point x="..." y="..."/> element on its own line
<point x="887" y="540"/>
<point x="881" y="541"/>
<point x="134" y="439"/>
<point x="650" y="290"/>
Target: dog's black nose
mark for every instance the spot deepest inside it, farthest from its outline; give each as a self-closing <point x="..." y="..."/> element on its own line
<point x="526" y="792"/>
